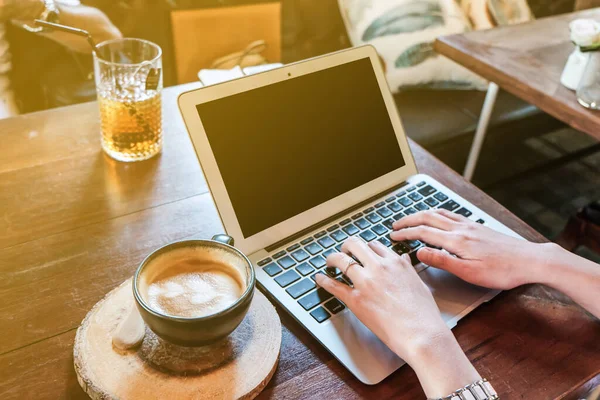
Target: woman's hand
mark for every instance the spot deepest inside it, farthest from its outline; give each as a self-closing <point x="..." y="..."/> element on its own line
<point x="390" y="299"/>
<point x="87" y="18"/>
<point x="482" y="256"/>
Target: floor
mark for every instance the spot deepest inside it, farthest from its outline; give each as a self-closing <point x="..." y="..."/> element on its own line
<point x="546" y="199"/>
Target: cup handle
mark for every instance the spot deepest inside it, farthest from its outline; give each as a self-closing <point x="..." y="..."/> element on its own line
<point x="222" y="238"/>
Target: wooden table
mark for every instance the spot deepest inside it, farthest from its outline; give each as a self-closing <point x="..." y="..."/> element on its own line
<point x="75" y="224"/>
<point x="526" y="60"/>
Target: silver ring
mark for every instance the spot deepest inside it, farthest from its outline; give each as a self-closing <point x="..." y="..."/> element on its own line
<point x="351" y="262"/>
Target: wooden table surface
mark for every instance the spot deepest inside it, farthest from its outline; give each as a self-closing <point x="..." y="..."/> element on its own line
<point x="75" y="224"/>
<point x="527" y="60"/>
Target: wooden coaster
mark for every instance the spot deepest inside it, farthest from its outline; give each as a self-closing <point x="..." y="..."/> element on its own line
<point x="238" y="367"/>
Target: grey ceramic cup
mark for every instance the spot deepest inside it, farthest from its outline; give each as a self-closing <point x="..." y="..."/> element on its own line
<point x="197" y="331"/>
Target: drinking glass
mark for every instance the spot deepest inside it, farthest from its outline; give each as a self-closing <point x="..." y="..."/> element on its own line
<point x="128" y="83"/>
<point x="588" y="92"/>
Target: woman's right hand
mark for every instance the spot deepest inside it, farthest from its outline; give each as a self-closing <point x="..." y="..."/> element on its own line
<point x="479" y="255"/>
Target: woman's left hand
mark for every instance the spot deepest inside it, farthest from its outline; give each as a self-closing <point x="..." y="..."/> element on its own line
<point x="390" y="299"/>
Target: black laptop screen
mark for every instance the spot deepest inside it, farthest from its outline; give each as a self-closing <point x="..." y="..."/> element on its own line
<point x="287" y="147"/>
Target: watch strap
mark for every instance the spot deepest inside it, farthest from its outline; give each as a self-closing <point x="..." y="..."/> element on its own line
<point x="480" y="390"/>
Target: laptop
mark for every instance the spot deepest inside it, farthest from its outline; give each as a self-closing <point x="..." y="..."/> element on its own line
<point x="302" y="157"/>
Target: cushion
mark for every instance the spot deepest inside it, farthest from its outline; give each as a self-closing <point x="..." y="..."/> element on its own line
<point x="403" y="32"/>
<point x="486" y="14"/>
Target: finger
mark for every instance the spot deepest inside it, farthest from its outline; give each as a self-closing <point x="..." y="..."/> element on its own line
<point x="442" y="260"/>
<point x="426" y="218"/>
<point x="433" y="236"/>
<point x="453" y="216"/>
<point x="359" y="249"/>
<point x="381" y="250"/>
<point x="339" y="290"/>
<point x="346" y="264"/>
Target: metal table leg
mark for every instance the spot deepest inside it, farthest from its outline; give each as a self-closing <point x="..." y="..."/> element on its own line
<point x="484" y="120"/>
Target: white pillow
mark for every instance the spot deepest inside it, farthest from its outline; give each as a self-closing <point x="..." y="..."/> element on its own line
<point x="403" y="32"/>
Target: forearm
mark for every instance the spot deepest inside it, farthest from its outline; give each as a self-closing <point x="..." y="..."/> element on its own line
<point x="574" y="276"/>
<point x="441" y="366"/>
<point x="20" y="9"/>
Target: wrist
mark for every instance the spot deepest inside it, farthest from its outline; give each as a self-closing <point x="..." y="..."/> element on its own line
<point x="440" y="364"/>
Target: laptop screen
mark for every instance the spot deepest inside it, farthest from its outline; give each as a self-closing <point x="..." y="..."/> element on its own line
<point x="285" y="148"/>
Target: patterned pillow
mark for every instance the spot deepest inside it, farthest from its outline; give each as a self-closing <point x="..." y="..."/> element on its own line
<point x="403" y="32"/>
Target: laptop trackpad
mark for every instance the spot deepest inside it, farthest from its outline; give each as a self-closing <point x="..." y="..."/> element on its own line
<point x="453" y="296"/>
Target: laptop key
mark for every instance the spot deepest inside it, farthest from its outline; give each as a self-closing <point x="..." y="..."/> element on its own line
<point x="413" y="258"/>
<point x="410" y="211"/>
<point x="287" y="278"/>
<point x="400" y="194"/>
<point x="313" y="248"/>
<point x="338" y="248"/>
<point x="450" y="205"/>
<point x="398" y="216"/>
<point x="300" y="255"/>
<point x="357" y="215"/>
<point x="422" y="183"/>
<point x="427" y="191"/>
<point x="320" y="315"/>
<point x="332" y="228"/>
<point x="415" y="196"/>
<point x="440" y="196"/>
<point x="384" y="212"/>
<point x="317" y="261"/>
<point x="279" y="254"/>
<point x="320" y="234"/>
<point x="400" y="248"/>
<point x="313" y="276"/>
<point x="405" y="201"/>
<point x="326" y="242"/>
<point x="389" y="223"/>
<point x="334" y="306"/>
<point x="464" y="211"/>
<point x="373" y="218"/>
<point x="380" y="204"/>
<point x="263" y="262"/>
<point x="293" y="247"/>
<point x="327" y="253"/>
<point x="412" y="244"/>
<point x="345" y="222"/>
<point x="369" y="210"/>
<point x="301" y="288"/>
<point x="421" y="206"/>
<point x="395" y="207"/>
<point x="339" y="236"/>
<point x="480" y="221"/>
<point x="305" y="269"/>
<point x="368" y="235"/>
<point x="306" y="241"/>
<point x="315" y="298"/>
<point x="362" y="223"/>
<point x="350" y="230"/>
<point x="390" y="199"/>
<point x="411" y="189"/>
<point x="385" y="241"/>
<point x="286" y="262"/>
<point x="272" y="269"/>
<point x="431" y="202"/>
<point x="379" y="229"/>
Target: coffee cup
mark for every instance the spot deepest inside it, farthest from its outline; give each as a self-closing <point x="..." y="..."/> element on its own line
<point x="194" y="292"/>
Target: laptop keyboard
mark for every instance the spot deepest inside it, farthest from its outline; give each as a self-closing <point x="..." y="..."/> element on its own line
<point x="296" y="267"/>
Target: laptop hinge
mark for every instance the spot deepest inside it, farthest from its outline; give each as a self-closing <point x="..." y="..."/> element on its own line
<point x="327" y="221"/>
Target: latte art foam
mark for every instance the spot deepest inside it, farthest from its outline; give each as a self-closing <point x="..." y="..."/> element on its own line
<point x="194" y="288"/>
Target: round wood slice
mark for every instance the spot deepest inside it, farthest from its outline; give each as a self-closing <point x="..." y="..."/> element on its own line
<point x="242" y="364"/>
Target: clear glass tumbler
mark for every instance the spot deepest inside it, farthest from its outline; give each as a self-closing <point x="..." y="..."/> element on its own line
<point x="128" y="83"/>
<point x="588" y="92"/>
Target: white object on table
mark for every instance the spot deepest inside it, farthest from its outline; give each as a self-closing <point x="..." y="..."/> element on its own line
<point x="576" y="63"/>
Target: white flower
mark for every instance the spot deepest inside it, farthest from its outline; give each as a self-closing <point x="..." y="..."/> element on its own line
<point x="585" y="32"/>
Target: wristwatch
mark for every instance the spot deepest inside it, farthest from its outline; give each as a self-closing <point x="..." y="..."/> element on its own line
<point x="50" y="14"/>
<point x="480" y="390"/>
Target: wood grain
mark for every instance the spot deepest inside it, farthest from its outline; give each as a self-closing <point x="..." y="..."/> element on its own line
<point x="527" y="60"/>
<point x="77" y="239"/>
<point x="238" y="367"/>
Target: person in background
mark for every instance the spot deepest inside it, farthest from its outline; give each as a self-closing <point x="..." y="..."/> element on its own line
<point x="67" y="12"/>
<point x="389" y="297"/>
